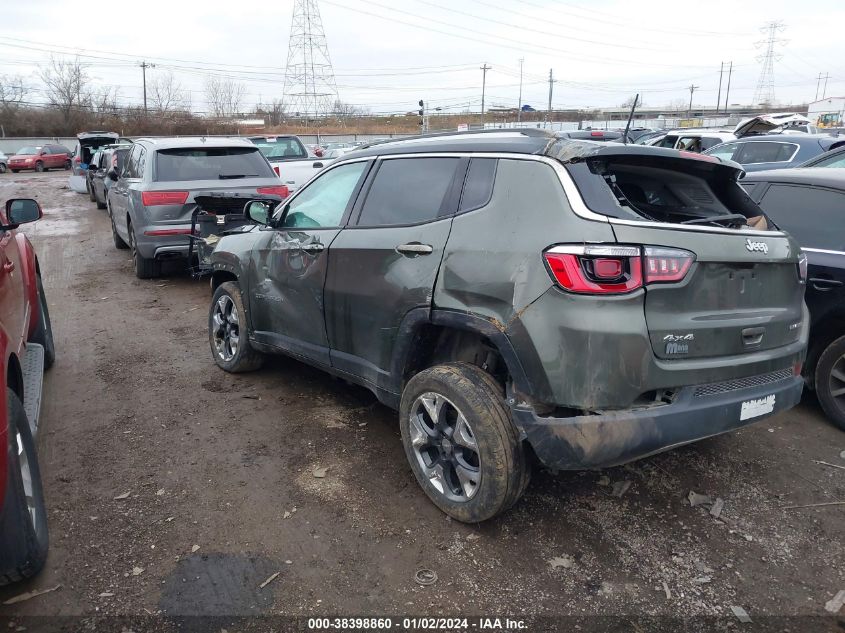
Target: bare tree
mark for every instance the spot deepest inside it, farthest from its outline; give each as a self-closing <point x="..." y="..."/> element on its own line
<point x="276" y="111"/>
<point x="12" y="93"/>
<point x="630" y="101"/>
<point x="67" y="86"/>
<point x="167" y="95"/>
<point x="224" y="96"/>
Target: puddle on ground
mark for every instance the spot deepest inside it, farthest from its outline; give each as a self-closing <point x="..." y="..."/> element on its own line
<point x="54" y="223"/>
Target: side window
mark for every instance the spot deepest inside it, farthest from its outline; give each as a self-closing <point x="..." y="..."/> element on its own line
<point x="408" y="191"/>
<point x="707" y="143"/>
<point x="668" y="141"/>
<point x="324" y="201"/>
<point x="142" y="159"/>
<point x="725" y="151"/>
<point x="130" y="169"/>
<point x="478" y="186"/>
<point x="765" y="152"/>
<point x="812" y="215"/>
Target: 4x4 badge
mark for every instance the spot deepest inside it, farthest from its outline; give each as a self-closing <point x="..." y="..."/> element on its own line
<point x="756" y="247"/>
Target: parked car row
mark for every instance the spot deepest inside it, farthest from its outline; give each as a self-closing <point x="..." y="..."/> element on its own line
<point x="393" y="268"/>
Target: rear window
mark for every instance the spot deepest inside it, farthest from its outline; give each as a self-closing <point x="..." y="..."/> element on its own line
<point x="210" y="163"/>
<point x="765" y="152"/>
<point x="663" y="189"/>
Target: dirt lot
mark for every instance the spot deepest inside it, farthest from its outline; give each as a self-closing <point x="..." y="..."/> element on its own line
<point x="219" y="473"/>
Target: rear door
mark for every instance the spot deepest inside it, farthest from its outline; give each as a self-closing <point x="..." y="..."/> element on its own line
<point x="815" y="216"/>
<point x="289" y="263"/>
<point x="711" y="290"/>
<point x="385" y="263"/>
<point x="119" y="193"/>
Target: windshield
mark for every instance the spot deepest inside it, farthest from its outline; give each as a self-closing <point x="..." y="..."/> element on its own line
<point x="281" y="148"/>
<point x="25" y="151"/>
<point x="210" y="163"/>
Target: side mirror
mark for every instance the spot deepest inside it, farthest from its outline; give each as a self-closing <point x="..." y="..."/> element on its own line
<point x="112" y="174"/>
<point x="21" y="211"/>
<point x="258" y="211"/>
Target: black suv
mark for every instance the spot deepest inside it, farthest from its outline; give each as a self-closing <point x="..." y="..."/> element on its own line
<point x="515" y="295"/>
<point x="810" y="204"/>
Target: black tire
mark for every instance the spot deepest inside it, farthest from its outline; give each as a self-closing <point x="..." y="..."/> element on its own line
<point x="68" y="164"/>
<point x="502" y="460"/>
<point x="100" y="205"/>
<point x="144" y="268"/>
<point x="827" y="383"/>
<point x="90" y="190"/>
<point x="24" y="539"/>
<point x="43" y="334"/>
<point x="39" y="167"/>
<point x="2" y="168"/>
<point x="119" y="244"/>
<point x="245" y="357"/>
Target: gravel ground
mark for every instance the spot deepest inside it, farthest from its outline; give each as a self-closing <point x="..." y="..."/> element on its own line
<point x="174" y="489"/>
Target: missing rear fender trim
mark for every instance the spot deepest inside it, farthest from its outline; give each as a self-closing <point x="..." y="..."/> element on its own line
<point x="647" y="400"/>
<point x="666" y="189"/>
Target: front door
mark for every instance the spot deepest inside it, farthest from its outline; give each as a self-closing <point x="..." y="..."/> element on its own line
<point x="289" y="263"/>
<point x="385" y="263"/>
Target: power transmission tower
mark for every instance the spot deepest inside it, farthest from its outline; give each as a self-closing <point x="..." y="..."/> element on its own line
<point x="826" y="76"/>
<point x="765" y="91"/>
<point x="310" y="90"/>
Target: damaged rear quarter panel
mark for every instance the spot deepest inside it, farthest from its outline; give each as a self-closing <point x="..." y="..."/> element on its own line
<point x="493" y="266"/>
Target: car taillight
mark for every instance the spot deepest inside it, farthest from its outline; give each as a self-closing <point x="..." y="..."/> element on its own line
<point x="276" y="169"/>
<point x="160" y="232"/>
<point x="600" y="269"/>
<point x="77" y="159"/>
<point x="596" y="133"/>
<point x="802" y="267"/>
<point x="705" y="157"/>
<point x="154" y="198"/>
<point x="666" y="265"/>
<point x="596" y="269"/>
<point x="276" y="190"/>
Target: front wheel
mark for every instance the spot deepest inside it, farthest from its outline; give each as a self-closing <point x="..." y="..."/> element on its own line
<point x="39" y="166"/>
<point x="90" y="189"/>
<point x="43" y="333"/>
<point x="461" y="443"/>
<point x="68" y="164"/>
<point x="23" y="521"/>
<point x="228" y="333"/>
<point x="830" y="381"/>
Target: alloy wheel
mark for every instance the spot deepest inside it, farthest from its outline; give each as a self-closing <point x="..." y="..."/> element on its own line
<point x="226" y="328"/>
<point x="836" y="382"/>
<point x="445" y="447"/>
<point x="26" y="478"/>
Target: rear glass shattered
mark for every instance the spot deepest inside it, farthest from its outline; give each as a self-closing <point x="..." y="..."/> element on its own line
<point x="665" y="189"/>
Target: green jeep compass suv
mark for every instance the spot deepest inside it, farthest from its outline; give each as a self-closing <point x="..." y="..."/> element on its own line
<point x="519" y="296"/>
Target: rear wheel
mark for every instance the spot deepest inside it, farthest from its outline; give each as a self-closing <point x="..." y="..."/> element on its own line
<point x="43" y="334"/>
<point x="145" y="268"/>
<point x="68" y="164"/>
<point x="118" y="241"/>
<point x="830" y="381"/>
<point x="23" y="522"/>
<point x="227" y="331"/>
<point x="39" y="166"/>
<point x="90" y="189"/>
<point x="461" y="443"/>
<point x="2" y="168"/>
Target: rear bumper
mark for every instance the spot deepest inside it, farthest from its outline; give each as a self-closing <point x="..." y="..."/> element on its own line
<point x="162" y="246"/>
<point x="613" y="438"/>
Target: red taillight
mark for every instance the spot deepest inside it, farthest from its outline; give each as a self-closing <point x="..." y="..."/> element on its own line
<point x="160" y="232"/>
<point x="596" y="269"/>
<point x="276" y="190"/>
<point x="665" y="265"/>
<point x="155" y="198"/>
<point x="77" y="159"/>
<point x="705" y="157"/>
<point x="599" y="269"/>
<point x="596" y="133"/>
<point x="796" y="368"/>
<point x="276" y="169"/>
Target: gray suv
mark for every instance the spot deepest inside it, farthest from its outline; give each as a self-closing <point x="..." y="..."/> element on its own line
<point x="519" y="296"/>
<point x="154" y="195"/>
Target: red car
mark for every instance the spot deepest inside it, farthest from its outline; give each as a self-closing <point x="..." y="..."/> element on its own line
<point x="40" y="158"/>
<point x="26" y="345"/>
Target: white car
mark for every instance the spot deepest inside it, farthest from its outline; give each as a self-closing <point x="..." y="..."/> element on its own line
<point x="4" y="163"/>
<point x="693" y="140"/>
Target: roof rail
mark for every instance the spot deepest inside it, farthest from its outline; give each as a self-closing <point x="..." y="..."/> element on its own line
<point x="528" y="131"/>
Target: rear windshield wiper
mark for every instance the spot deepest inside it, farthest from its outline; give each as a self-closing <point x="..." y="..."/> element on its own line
<point x="716" y="219"/>
<point x="233" y="176"/>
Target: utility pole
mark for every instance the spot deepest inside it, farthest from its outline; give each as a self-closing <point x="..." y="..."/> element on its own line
<point x="551" y="84"/>
<point x="144" y="65"/>
<point x="728" y="91"/>
<point x="719" y="97"/>
<point x="484" y="70"/>
<point x="692" y="89"/>
<point x="824" y="89"/>
<point x="519" y="109"/>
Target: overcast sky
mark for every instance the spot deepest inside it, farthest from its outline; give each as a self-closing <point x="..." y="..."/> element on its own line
<point x="387" y="54"/>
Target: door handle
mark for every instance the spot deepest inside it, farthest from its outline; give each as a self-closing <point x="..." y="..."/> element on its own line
<point x="823" y="285"/>
<point x="317" y="165"/>
<point x="752" y="336"/>
<point x="313" y="247"/>
<point x="8" y="266"/>
<point x="415" y="249"/>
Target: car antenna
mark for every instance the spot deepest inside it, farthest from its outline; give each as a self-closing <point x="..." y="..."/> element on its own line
<point x="630" y="116"/>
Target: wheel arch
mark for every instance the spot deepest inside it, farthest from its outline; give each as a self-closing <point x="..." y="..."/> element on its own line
<point x="823" y="333"/>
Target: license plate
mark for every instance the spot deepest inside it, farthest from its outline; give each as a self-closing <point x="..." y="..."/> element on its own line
<point x="756" y="408"/>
